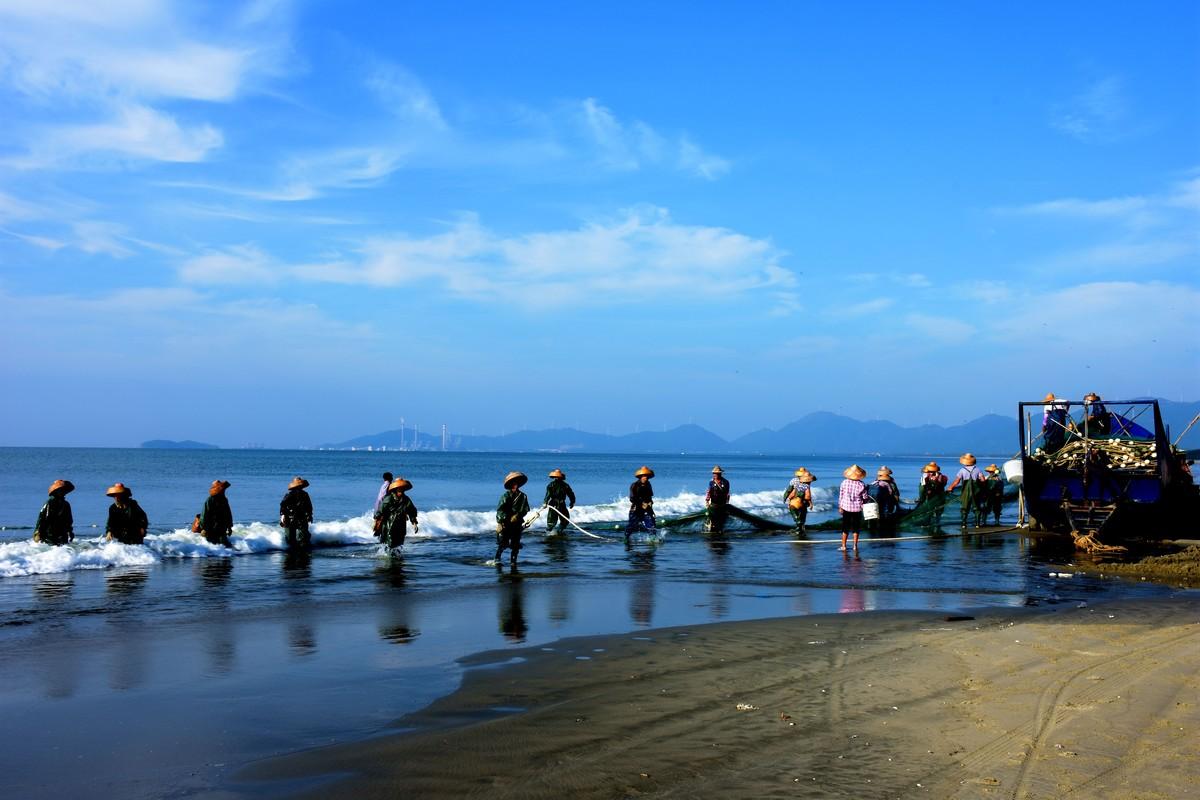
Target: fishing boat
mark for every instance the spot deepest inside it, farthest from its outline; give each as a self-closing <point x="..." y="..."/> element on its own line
<point x="1103" y="470"/>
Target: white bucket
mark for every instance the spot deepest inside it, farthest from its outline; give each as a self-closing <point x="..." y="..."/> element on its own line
<point x="870" y="510"/>
<point x="1014" y="471"/>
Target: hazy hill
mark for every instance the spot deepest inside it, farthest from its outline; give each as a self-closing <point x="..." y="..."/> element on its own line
<point x="186" y="444"/>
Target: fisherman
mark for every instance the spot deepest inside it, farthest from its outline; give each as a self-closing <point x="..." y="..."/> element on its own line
<point x="559" y="501"/>
<point x="993" y="492"/>
<point x="972" y="497"/>
<point x="887" y="498"/>
<point x="798" y="497"/>
<point x="1099" y="421"/>
<point x="127" y="522"/>
<point x="383" y="490"/>
<point x="55" y="525"/>
<point x="932" y="493"/>
<point x="641" y="503"/>
<point x="510" y="516"/>
<point x="716" y="501"/>
<point x="394" y="514"/>
<point x="296" y="514"/>
<point x="1054" y="424"/>
<point x="851" y="496"/>
<point x="216" y="518"/>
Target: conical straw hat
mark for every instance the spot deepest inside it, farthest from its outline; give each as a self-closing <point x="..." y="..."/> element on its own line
<point x="718" y="471"/>
<point x="644" y="471"/>
<point x="932" y="466"/>
<point x="118" y="488"/>
<point x="967" y="460"/>
<point x="66" y="487"/>
<point x="403" y="484"/>
<point x="518" y="478"/>
<point x="855" y="472"/>
<point x="992" y="468"/>
<point x="218" y="486"/>
<point x="556" y="473"/>
<point x="884" y="471"/>
<point x="298" y="483"/>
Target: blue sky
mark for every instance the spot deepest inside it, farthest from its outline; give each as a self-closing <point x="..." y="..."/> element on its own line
<point x="296" y="222"/>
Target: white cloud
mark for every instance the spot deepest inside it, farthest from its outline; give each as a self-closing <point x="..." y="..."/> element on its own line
<point x="405" y="96"/>
<point x="233" y="265"/>
<point x="1097" y="114"/>
<point x="44" y="242"/>
<point x="867" y="307"/>
<point x="110" y="64"/>
<point x="940" y="330"/>
<point x="101" y="237"/>
<point x="630" y="146"/>
<point x="641" y="256"/>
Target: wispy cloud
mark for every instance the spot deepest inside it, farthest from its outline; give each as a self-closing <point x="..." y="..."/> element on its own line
<point x="111" y="65"/>
<point x="640" y="256"/>
<point x="629" y="146"/>
<point x="1099" y="113"/>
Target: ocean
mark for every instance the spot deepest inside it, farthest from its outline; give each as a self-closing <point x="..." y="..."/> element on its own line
<point x="159" y="669"/>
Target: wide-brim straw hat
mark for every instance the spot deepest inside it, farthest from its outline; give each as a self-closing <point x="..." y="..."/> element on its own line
<point x="1049" y="398"/>
<point x="519" y="478"/>
<point x="855" y="472"/>
<point x="884" y="471"/>
<point x="718" y="471"/>
<point x="932" y="466"/>
<point x="298" y="483"/>
<point x="800" y="473"/>
<point x="1090" y="396"/>
<point x="649" y="473"/>
<point x="66" y="487"/>
<point x="403" y="484"/>
<point x="556" y="473"/>
<point x="118" y="489"/>
<point x="219" y="486"/>
<point x="807" y="477"/>
<point x="967" y="460"/>
<point x="992" y="468"/>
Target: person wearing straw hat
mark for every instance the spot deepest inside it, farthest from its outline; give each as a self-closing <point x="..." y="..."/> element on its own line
<point x="851" y="496"/>
<point x="510" y="516"/>
<point x="559" y="501"/>
<point x="394" y="514"/>
<point x="1099" y="421"/>
<point x="296" y="514"/>
<point x="931" y="495"/>
<point x="216" y="518"/>
<point x="55" y="525"/>
<point x="887" y="498"/>
<point x="993" y="492"/>
<point x="798" y="497"/>
<point x="716" y="501"/>
<point x="1054" y="423"/>
<point x="972" y="495"/>
<point x="127" y="523"/>
<point x="641" y="503"/>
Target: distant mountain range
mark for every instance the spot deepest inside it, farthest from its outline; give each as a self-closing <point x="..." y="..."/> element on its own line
<point x="819" y="433"/>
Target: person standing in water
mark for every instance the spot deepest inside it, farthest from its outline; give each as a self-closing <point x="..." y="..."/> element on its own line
<point x="127" y="523"/>
<point x="972" y="496"/>
<point x="216" y="518"/>
<point x="932" y="493"/>
<point x="394" y="514"/>
<point x="716" y="501"/>
<point x="510" y="516"/>
<point x="296" y="514"/>
<point x="55" y="525"/>
<point x="851" y="496"/>
<point x="641" y="503"/>
<point x="559" y="499"/>
<point x="798" y="497"/>
<point x="993" y="492"/>
<point x="887" y="496"/>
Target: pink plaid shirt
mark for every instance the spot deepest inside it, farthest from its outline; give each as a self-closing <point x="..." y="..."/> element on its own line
<point x="851" y="495"/>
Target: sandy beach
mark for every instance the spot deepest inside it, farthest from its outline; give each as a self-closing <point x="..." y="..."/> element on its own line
<point x="1099" y="701"/>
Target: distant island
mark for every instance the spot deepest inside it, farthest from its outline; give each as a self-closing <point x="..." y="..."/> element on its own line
<point x="186" y="444"/>
<point x="819" y="433"/>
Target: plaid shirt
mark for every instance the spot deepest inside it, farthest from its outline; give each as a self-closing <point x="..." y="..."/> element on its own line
<point x="851" y="495"/>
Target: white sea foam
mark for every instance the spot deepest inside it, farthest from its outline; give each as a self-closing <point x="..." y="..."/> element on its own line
<point x="35" y="558"/>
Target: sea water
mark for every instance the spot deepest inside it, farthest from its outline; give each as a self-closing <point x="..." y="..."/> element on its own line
<point x="159" y="668"/>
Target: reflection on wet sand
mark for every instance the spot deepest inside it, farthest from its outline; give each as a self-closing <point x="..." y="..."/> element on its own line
<point x="556" y="549"/>
<point x="392" y="571"/>
<point x="302" y="639"/>
<point x="511" y="607"/>
<point x="560" y="601"/>
<point x="53" y="588"/>
<point x="126" y="581"/>
<point x="641" y="590"/>
<point x="215" y="572"/>
<point x="718" y="587"/>
<point x="853" y="598"/>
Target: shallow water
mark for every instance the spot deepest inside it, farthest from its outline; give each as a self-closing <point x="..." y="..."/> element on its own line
<point x="161" y="668"/>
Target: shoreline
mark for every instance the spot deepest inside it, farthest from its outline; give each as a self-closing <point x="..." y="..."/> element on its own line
<point x="1014" y="703"/>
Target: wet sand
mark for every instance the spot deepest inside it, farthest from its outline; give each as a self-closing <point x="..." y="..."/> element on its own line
<point x="1182" y="568"/>
<point x="1083" y="702"/>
